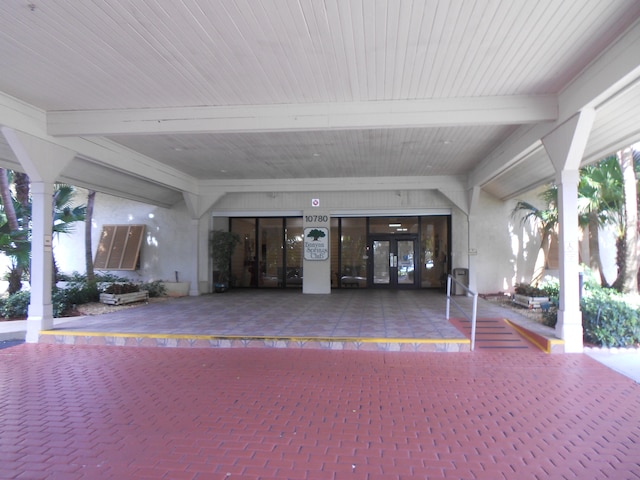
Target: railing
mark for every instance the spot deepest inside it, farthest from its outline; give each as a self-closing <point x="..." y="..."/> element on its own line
<point x="474" y="308"/>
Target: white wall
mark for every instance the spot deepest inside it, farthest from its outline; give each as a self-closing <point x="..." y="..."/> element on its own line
<point x="506" y="249"/>
<point x="167" y="246"/>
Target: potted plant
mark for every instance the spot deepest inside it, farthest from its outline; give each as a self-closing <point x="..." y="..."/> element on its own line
<point x="222" y="244"/>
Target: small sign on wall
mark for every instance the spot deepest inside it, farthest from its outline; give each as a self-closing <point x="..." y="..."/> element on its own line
<point x="316" y="243"/>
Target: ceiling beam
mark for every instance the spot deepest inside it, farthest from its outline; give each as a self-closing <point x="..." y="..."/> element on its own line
<point x="615" y="71"/>
<point x="26" y="118"/>
<point x="508" y="110"/>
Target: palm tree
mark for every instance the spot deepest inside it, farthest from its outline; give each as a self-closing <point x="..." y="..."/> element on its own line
<point x="65" y="214"/>
<point x="17" y="216"/>
<point x="599" y="204"/>
<point x="546" y="221"/>
<point x="91" y="198"/>
<point x="627" y="281"/>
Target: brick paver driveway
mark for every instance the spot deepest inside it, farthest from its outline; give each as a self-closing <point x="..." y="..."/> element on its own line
<point x="69" y="412"/>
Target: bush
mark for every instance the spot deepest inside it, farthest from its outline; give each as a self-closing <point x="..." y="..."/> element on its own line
<point x="16" y="305"/>
<point x="65" y="299"/>
<point x="529" y="290"/>
<point x="609" y="319"/>
<point x="155" y="289"/>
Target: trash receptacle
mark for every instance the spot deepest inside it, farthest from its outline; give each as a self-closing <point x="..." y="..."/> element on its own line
<point x="462" y="276"/>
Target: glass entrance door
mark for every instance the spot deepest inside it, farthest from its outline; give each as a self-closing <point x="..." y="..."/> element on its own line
<point x="394" y="262"/>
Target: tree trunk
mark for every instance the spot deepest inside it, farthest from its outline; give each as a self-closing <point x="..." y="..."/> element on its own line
<point x="15" y="274"/>
<point x="87" y="236"/>
<point x="7" y="200"/>
<point x="541" y="259"/>
<point x="595" y="261"/>
<point x="629" y="272"/>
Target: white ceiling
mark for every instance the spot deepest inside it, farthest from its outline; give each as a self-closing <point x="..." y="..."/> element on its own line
<point x="156" y="96"/>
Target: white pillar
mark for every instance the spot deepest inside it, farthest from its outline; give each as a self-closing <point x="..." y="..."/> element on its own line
<point x="43" y="162"/>
<point x="316" y="277"/>
<point x="569" y="326"/>
<point x="474" y="198"/>
<point x="565" y="146"/>
<point x="40" y="309"/>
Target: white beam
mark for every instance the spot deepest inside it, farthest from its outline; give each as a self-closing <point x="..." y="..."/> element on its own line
<point x="26" y="118"/>
<point x="617" y="69"/>
<point x="507" y="110"/>
<point x="360" y="184"/>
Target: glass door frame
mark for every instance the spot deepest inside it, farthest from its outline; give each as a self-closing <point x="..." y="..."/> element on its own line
<point x="393" y="262"/>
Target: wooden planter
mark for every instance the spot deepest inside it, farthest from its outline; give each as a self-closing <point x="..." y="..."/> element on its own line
<point x="123" y="298"/>
<point x="529" y="302"/>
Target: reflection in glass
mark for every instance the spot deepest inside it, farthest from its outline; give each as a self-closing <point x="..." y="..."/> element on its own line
<point x="406" y="262"/>
<point x="381" y="261"/>
<point x="434" y="248"/>
<point x="354" y="252"/>
<point x="294" y="242"/>
<point x="270" y="253"/>
<point x="244" y="271"/>
<point x="393" y="225"/>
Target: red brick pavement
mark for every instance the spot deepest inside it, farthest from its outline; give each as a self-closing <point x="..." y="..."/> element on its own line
<point x="69" y="412"/>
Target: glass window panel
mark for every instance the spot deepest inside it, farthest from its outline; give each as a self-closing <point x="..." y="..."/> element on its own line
<point x="393" y="225"/>
<point x="270" y="253"/>
<point x="244" y="268"/>
<point x="434" y="251"/>
<point x="294" y="241"/>
<point x="354" y="252"/>
<point x="334" y="250"/>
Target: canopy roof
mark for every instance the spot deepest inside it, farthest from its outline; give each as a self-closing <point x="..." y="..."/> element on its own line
<point x="162" y="97"/>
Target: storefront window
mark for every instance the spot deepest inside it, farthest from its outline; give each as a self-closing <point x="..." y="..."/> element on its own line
<point x="354" y="253"/>
<point x="434" y="251"/>
<point x="270" y="253"/>
<point x="393" y="225"/>
<point x="294" y="242"/>
<point x="243" y="264"/>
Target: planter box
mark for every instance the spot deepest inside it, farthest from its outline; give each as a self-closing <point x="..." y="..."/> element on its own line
<point x="176" y="289"/>
<point x="529" y="302"/>
<point x="123" y="298"/>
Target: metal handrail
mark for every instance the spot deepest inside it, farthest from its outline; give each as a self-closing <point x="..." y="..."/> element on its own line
<point x="474" y="308"/>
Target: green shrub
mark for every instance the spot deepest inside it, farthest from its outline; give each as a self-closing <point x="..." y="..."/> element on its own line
<point x="609" y="319"/>
<point x="16" y="305"/>
<point x="155" y="288"/>
<point x="65" y="299"/>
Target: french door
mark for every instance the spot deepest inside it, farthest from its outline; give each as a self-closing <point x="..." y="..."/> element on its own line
<point x="393" y="263"/>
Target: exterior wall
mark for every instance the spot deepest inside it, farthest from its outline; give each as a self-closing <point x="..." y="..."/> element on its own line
<point x="506" y="249"/>
<point x="168" y="246"/>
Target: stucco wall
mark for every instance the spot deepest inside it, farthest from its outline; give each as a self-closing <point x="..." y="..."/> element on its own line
<point x="168" y="245"/>
<point x="505" y="248"/>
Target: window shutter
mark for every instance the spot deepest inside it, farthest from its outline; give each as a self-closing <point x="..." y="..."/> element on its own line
<point x="119" y="247"/>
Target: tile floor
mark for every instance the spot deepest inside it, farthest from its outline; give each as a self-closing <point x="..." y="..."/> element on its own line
<point x="346" y="319"/>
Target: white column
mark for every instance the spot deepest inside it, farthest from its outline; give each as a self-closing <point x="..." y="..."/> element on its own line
<point x="569" y="326"/>
<point x="316" y="277"/>
<point x="474" y="198"/>
<point x="43" y="162"/>
<point x="40" y="309"/>
<point x="565" y="146"/>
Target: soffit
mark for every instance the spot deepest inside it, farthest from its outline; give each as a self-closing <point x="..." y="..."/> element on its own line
<point x="63" y="55"/>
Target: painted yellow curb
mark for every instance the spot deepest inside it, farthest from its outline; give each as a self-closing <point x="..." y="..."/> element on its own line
<point x="72" y="333"/>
